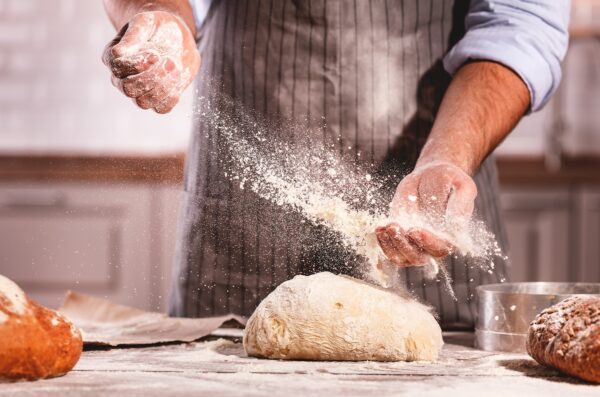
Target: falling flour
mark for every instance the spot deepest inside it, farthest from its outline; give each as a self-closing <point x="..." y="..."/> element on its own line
<point x="313" y="180"/>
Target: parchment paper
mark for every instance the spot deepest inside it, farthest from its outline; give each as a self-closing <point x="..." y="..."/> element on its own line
<point x="109" y="324"/>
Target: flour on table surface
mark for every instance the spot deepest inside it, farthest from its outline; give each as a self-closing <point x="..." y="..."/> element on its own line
<point x="185" y="369"/>
<point x="229" y="356"/>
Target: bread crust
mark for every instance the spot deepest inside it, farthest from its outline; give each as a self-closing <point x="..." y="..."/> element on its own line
<point x="566" y="336"/>
<point x="38" y="343"/>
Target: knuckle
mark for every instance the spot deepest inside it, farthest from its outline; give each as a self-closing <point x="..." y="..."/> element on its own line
<point x="107" y="55"/>
<point x="115" y="81"/>
<point x="118" y="85"/>
<point x="163" y="109"/>
<point x="117" y="50"/>
<point x="169" y="65"/>
<point x="132" y="87"/>
<point x="167" y="105"/>
<point x="128" y="90"/>
<point x="143" y="102"/>
<point x="136" y="85"/>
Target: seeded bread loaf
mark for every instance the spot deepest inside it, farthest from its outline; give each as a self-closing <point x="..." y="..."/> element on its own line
<point x="35" y="342"/>
<point x="566" y="336"/>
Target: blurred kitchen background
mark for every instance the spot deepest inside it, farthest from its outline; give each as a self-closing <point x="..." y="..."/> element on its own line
<point x="90" y="185"/>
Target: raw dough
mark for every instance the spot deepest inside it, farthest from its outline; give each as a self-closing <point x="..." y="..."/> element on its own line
<point x="329" y="317"/>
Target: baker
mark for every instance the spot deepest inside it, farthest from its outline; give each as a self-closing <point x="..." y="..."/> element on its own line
<point x="425" y="89"/>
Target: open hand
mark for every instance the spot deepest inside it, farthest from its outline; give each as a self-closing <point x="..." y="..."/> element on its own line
<point x="153" y="59"/>
<point x="439" y="191"/>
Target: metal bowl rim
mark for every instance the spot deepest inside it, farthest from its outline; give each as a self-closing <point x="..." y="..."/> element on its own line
<point x="513" y="288"/>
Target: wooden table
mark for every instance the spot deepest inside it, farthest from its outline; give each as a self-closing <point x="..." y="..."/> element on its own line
<point x="219" y="367"/>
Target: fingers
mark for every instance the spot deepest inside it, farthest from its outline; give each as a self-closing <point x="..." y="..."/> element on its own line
<point x="167" y="104"/>
<point x="397" y="247"/>
<point x="159" y="75"/>
<point x="412" y="248"/>
<point x="429" y="243"/>
<point x="387" y="246"/>
<point x="157" y="88"/>
<point x="134" y="64"/>
<point x="440" y="196"/>
<point x="139" y="30"/>
<point x="161" y="92"/>
<point x="153" y="59"/>
<point x="124" y="54"/>
<point x="107" y="52"/>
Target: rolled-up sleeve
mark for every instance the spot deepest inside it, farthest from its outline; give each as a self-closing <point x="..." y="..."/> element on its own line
<point x="530" y="37"/>
<point x="200" y="9"/>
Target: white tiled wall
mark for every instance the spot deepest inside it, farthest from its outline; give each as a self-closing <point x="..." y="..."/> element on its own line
<point x="578" y="106"/>
<point x="528" y="138"/>
<point x="55" y="93"/>
<point x="582" y="97"/>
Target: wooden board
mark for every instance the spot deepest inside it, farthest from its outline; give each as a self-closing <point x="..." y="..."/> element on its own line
<point x="220" y="367"/>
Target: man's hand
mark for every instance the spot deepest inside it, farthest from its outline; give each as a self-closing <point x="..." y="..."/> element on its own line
<point x="153" y="59"/>
<point x="441" y="192"/>
<point x="483" y="103"/>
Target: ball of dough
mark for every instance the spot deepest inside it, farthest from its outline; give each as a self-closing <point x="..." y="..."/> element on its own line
<point x="329" y="317"/>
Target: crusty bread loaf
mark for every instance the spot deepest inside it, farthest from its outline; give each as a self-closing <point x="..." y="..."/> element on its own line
<point x="35" y="342"/>
<point x="566" y="336"/>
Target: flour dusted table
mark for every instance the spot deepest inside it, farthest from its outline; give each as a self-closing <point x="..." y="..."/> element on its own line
<point x="219" y="367"/>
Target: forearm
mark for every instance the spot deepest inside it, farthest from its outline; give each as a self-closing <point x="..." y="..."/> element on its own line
<point x="121" y="11"/>
<point x="483" y="103"/>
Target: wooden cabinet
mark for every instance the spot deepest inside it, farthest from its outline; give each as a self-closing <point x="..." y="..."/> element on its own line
<point x="538" y="226"/>
<point x="114" y="241"/>
<point x="117" y="240"/>
<point x="589" y="232"/>
<point x="554" y="234"/>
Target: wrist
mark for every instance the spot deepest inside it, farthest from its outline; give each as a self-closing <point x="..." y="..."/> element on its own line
<point x="431" y="157"/>
<point x="186" y="25"/>
<point x="439" y="163"/>
<point x="122" y="11"/>
<point x="181" y="9"/>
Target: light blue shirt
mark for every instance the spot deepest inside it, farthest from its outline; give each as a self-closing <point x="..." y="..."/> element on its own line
<point x="528" y="36"/>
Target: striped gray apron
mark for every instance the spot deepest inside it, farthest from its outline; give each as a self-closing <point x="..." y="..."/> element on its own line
<point x="364" y="75"/>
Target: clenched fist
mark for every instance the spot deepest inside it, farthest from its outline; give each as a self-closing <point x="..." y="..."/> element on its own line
<point x="441" y="192"/>
<point x="153" y="59"/>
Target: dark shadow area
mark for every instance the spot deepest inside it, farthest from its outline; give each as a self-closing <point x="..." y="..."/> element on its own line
<point x="464" y="339"/>
<point x="207" y="338"/>
<point x="532" y="369"/>
<point x="101" y="347"/>
<point x="231" y="349"/>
